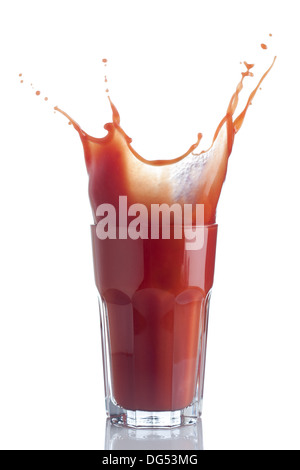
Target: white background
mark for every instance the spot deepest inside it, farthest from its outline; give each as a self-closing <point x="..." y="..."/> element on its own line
<point x="173" y="66"/>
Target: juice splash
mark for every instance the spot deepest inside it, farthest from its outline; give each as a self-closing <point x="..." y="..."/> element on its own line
<point x="115" y="168"/>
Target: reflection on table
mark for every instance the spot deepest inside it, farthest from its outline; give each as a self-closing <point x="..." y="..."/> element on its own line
<point x="180" y="438"/>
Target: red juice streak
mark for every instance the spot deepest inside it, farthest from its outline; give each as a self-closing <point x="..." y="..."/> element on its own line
<point x="240" y="119"/>
<point x="156" y="292"/>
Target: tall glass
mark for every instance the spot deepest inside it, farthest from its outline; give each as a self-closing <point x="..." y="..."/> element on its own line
<point x="154" y="291"/>
<point x="154" y="301"/>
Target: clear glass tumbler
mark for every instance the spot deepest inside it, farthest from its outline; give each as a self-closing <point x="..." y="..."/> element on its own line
<point x="154" y="301"/>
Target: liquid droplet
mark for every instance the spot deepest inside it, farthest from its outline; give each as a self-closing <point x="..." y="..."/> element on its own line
<point x="37" y="93"/>
<point x="46" y="99"/>
<point x="263" y="46"/>
<point x="249" y="66"/>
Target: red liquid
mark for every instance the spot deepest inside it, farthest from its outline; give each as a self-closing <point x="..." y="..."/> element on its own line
<point x="116" y="169"/>
<point x="156" y="292"/>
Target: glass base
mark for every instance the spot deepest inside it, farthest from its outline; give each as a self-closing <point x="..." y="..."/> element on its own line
<point x="153" y="419"/>
<point x="139" y="438"/>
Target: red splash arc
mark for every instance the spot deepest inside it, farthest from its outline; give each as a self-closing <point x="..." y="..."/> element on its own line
<point x="115" y="168"/>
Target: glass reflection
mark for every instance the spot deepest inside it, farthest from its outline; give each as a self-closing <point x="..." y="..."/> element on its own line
<point x="181" y="438"/>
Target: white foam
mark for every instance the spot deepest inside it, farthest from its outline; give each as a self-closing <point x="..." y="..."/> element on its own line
<point x="185" y="176"/>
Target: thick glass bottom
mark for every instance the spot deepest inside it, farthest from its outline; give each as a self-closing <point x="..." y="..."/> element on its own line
<point x="153" y="419"/>
<point x="139" y="438"/>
